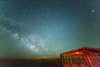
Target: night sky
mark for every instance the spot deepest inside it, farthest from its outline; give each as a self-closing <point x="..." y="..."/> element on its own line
<point x="31" y="28"/>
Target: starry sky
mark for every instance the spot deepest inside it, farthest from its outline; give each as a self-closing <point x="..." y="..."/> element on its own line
<point x="47" y="27"/>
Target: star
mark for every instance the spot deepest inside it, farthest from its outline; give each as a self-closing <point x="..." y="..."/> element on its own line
<point x="93" y="10"/>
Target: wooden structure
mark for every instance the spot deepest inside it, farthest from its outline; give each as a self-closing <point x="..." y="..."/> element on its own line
<point x="83" y="57"/>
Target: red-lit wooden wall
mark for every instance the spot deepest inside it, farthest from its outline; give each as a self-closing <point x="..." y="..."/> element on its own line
<point x="81" y="58"/>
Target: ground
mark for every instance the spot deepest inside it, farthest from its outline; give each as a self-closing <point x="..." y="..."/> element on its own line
<point x="30" y="63"/>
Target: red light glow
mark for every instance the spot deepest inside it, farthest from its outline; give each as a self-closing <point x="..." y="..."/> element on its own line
<point x="77" y="53"/>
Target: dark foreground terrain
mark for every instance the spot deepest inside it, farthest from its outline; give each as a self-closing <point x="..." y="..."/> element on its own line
<point x="30" y="63"/>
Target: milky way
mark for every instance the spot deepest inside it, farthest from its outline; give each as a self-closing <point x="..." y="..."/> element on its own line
<point x="47" y="27"/>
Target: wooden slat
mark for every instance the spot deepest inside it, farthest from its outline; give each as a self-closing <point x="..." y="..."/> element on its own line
<point x="87" y="60"/>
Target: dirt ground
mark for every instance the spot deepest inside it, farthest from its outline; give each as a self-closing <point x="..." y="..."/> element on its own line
<point x="30" y="63"/>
